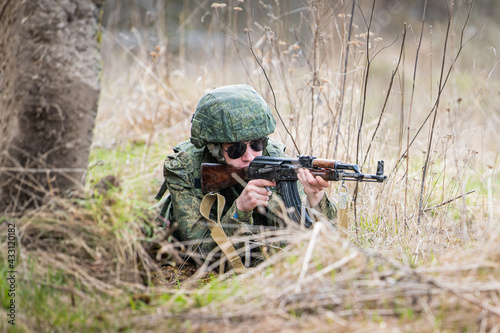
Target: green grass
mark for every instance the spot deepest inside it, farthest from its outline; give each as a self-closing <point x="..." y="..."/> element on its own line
<point x="47" y="306"/>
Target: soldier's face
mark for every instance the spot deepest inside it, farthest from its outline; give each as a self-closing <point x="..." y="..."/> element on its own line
<point x="242" y="161"/>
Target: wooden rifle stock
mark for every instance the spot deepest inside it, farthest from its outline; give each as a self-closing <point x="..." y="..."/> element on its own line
<point x="215" y="177"/>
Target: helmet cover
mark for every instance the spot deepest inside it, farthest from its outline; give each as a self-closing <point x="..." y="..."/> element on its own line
<point x="234" y="113"/>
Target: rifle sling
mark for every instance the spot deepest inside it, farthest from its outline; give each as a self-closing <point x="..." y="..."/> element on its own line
<point x="343" y="222"/>
<point x="162" y="191"/>
<point x="217" y="232"/>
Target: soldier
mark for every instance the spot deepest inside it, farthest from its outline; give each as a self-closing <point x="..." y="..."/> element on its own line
<point x="231" y="125"/>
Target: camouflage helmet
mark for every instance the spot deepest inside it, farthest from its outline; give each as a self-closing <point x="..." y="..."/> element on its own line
<point x="232" y="113"/>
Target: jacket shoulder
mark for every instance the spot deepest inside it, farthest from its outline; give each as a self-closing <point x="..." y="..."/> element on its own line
<point x="184" y="164"/>
<point x="275" y="148"/>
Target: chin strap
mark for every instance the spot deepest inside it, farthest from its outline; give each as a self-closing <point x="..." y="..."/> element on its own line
<point x="216" y="150"/>
<point x="217" y="232"/>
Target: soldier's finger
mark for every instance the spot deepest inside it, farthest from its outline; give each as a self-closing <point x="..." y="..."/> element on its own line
<point x="322" y="182"/>
<point x="306" y="178"/>
<point x="262" y="182"/>
<point x="260" y="190"/>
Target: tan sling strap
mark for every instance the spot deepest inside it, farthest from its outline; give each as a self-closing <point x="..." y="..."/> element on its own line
<point x="343" y="221"/>
<point x="343" y="210"/>
<point x="218" y="233"/>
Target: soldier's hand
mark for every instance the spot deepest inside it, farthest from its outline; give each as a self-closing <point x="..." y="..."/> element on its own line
<point x="254" y="194"/>
<point x="314" y="187"/>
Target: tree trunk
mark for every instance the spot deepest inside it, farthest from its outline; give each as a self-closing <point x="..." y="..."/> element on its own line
<point x="49" y="89"/>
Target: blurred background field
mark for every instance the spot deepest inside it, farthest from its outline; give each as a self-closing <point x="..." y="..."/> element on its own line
<point x="422" y="249"/>
<point x="331" y="85"/>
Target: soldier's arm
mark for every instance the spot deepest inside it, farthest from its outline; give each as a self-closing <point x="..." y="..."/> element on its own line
<point x="327" y="208"/>
<point x="186" y="202"/>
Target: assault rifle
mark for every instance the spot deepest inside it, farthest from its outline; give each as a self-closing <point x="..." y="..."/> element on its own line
<point x="216" y="177"/>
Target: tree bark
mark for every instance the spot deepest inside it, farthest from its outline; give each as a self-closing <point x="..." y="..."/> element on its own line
<point x="49" y="90"/>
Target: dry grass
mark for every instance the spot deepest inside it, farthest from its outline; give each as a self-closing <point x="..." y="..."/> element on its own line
<point x="321" y="280"/>
<point x="85" y="242"/>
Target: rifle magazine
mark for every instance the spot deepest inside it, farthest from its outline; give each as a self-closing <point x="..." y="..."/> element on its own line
<point x="290" y="194"/>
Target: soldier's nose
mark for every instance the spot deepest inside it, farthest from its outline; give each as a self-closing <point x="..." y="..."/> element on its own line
<point x="248" y="156"/>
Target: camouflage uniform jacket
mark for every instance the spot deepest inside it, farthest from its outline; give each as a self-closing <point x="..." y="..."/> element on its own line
<point x="182" y="174"/>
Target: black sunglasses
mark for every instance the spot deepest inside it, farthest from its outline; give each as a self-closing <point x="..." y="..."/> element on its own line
<point x="236" y="150"/>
